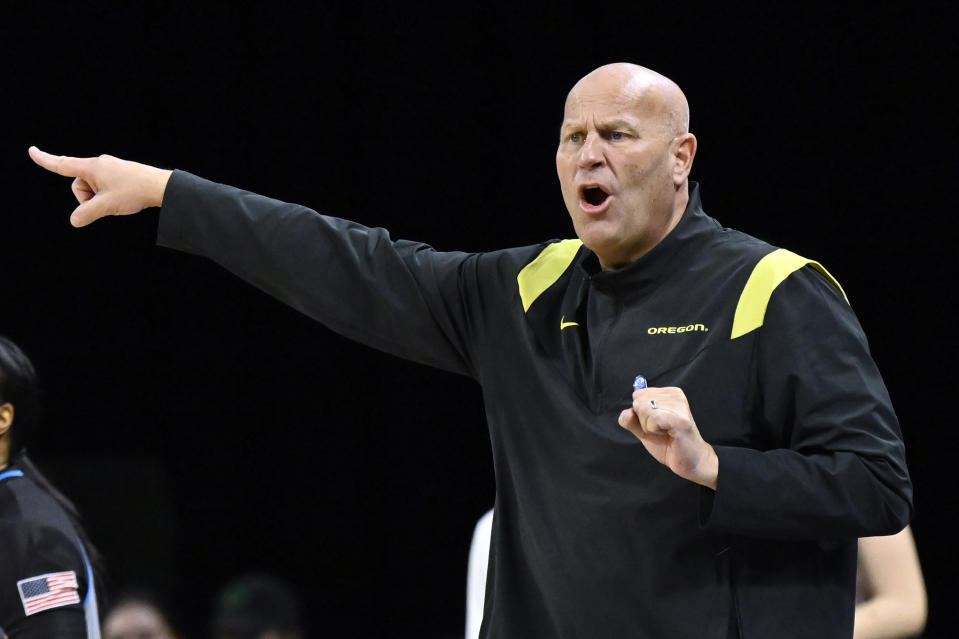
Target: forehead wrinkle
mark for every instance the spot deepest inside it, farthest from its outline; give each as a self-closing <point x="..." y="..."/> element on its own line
<point x="599" y="111"/>
<point x="641" y="92"/>
<point x="602" y="109"/>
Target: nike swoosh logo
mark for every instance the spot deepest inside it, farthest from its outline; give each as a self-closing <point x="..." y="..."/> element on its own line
<point x="564" y="325"/>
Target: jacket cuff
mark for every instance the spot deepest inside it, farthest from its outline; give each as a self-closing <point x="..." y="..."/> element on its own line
<point x="178" y="200"/>
<point x="734" y="487"/>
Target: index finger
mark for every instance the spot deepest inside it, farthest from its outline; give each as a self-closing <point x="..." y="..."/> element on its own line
<point x="59" y="164"/>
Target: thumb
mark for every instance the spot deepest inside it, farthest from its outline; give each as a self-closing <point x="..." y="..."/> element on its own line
<point x="90" y="211"/>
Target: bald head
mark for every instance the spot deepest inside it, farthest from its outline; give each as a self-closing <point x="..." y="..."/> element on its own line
<point x="623" y="160"/>
<point x="653" y="94"/>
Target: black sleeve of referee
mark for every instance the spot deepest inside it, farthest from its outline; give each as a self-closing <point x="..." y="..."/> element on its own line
<point x="60" y="623"/>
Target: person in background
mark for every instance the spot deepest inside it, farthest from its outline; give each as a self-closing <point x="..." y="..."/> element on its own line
<point x="138" y="616"/>
<point x="476" y="574"/>
<point x="256" y="606"/>
<point x="47" y="584"/>
<point x="892" y="594"/>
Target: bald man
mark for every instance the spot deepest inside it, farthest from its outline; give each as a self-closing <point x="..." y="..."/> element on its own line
<point x="718" y="496"/>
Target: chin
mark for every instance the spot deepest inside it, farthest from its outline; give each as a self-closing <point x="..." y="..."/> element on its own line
<point x="598" y="236"/>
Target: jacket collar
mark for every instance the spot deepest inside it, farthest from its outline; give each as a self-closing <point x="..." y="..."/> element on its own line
<point x="662" y="259"/>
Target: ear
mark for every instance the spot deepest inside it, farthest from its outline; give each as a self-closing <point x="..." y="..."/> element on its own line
<point x="6" y="418"/>
<point x="684" y="150"/>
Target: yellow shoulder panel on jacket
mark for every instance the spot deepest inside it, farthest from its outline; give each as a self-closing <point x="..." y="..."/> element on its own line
<point x="769" y="273"/>
<point x="541" y="273"/>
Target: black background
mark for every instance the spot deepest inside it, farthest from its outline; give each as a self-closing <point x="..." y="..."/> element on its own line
<point x="206" y="430"/>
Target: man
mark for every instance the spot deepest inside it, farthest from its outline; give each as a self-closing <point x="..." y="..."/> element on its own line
<point x="740" y="522"/>
<point x="46" y="574"/>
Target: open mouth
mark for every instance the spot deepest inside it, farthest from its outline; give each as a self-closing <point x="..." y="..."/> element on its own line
<point x="594" y="195"/>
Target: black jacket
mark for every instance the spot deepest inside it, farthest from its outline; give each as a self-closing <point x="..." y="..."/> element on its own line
<point x="592" y="537"/>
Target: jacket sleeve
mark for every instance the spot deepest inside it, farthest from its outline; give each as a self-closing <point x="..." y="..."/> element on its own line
<point x="60" y="623"/>
<point x="28" y="552"/>
<point x="397" y="296"/>
<point x="836" y="464"/>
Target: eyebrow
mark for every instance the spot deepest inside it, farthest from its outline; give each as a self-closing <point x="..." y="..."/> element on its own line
<point x="603" y="125"/>
<point x="616" y="123"/>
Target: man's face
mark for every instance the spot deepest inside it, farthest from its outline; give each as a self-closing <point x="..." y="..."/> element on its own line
<point x="614" y="163"/>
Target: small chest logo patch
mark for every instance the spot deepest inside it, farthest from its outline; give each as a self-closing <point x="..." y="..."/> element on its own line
<point x="670" y="330"/>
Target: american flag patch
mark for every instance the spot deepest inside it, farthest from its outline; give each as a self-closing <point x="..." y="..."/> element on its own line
<point x="48" y="591"/>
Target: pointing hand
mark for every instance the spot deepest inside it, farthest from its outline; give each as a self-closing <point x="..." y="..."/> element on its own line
<point x="106" y="185"/>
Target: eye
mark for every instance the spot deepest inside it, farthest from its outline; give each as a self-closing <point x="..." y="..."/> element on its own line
<point x="576" y="137"/>
<point x="617" y="135"/>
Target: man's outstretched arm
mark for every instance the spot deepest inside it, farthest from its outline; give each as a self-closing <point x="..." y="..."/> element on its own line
<point x="397" y="296"/>
<point x="106" y="185"/>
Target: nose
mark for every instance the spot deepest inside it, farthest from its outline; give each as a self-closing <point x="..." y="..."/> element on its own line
<point x="591" y="154"/>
